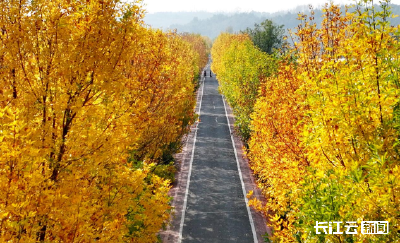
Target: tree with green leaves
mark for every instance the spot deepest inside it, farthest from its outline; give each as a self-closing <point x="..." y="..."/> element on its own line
<point x="267" y="36"/>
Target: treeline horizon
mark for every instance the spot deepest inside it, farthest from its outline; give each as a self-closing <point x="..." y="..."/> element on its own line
<point x="211" y="24"/>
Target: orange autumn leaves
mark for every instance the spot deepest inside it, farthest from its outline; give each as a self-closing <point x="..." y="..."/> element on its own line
<point x="85" y="87"/>
<point x="277" y="157"/>
<point x="324" y="131"/>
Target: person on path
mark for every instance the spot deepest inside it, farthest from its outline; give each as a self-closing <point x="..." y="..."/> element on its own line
<point x="205" y="73"/>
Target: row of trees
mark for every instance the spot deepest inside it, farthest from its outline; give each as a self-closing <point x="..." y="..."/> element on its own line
<point x="90" y="102"/>
<point x="324" y="129"/>
<point x="240" y="67"/>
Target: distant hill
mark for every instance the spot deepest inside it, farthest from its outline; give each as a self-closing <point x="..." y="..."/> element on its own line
<point x="212" y="24"/>
<point x="164" y="20"/>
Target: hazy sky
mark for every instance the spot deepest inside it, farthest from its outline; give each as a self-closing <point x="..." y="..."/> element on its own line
<point x="233" y="5"/>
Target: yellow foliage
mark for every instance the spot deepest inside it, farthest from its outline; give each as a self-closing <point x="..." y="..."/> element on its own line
<point x="325" y="128"/>
<point x="83" y="84"/>
<point x="276" y="154"/>
<point x="240" y="67"/>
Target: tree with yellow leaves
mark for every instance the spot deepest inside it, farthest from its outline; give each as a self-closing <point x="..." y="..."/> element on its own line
<point x="333" y="154"/>
<point x="240" y="67"/>
<point x="325" y="127"/>
<point x="351" y="136"/>
<point x="86" y="90"/>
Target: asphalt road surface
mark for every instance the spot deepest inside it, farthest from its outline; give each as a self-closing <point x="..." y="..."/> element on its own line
<point x="215" y="202"/>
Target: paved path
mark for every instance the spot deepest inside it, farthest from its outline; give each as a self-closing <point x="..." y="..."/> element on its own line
<point x="215" y="202"/>
<point x="208" y="195"/>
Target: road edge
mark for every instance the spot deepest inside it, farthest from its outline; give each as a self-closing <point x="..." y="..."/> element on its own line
<point x="172" y="233"/>
<point x="259" y="219"/>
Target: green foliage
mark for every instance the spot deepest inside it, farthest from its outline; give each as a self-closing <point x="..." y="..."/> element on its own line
<point x="267" y="36"/>
<point x="166" y="171"/>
